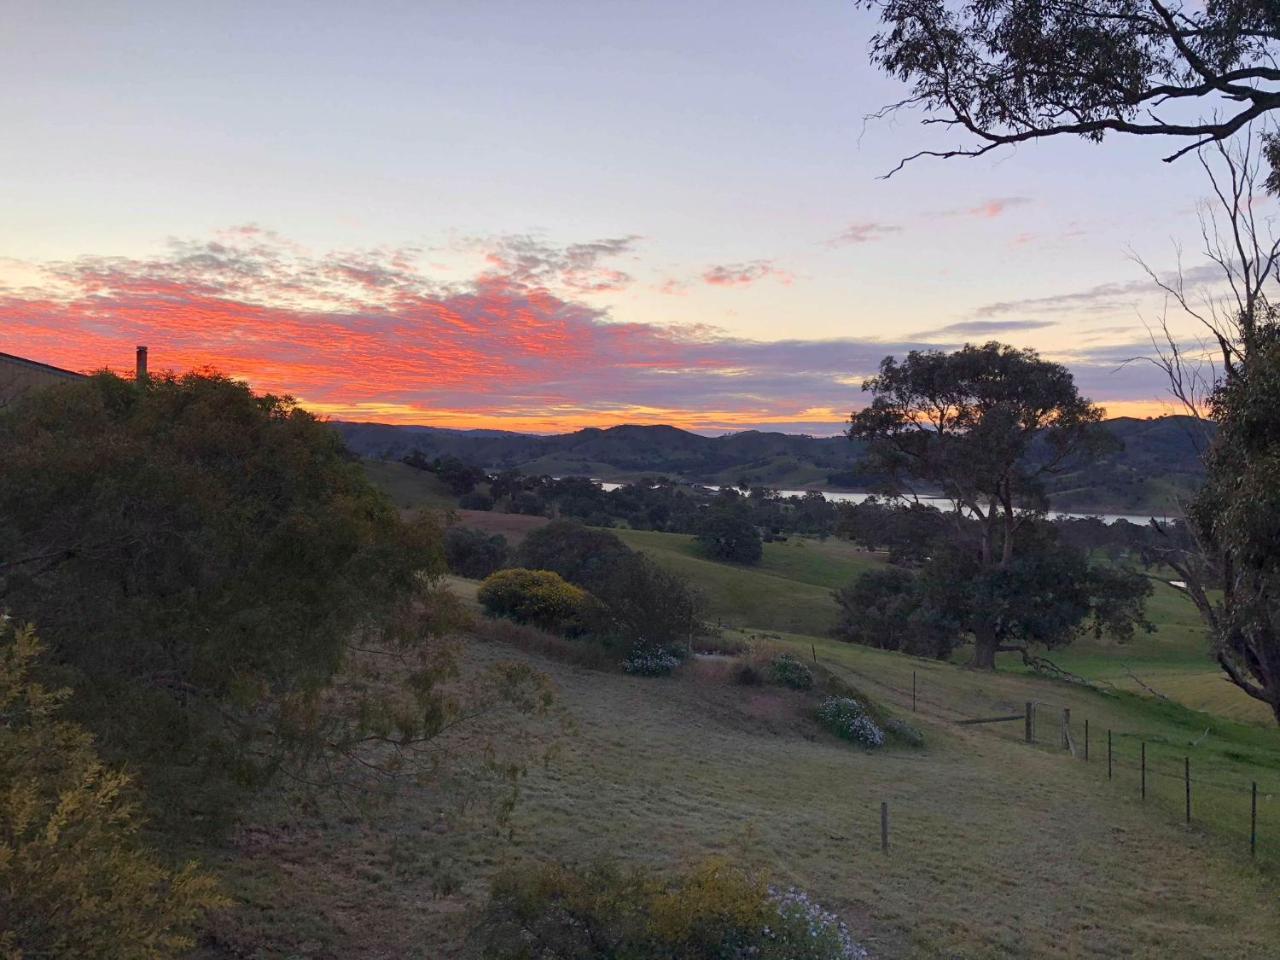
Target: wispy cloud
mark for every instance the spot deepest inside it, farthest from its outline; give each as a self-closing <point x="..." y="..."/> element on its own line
<point x="1101" y="298"/>
<point x="578" y="267"/>
<point x="857" y="233"/>
<point x="989" y="209"/>
<point x="368" y="335"/>
<point x="744" y="274"/>
<point x="982" y="328"/>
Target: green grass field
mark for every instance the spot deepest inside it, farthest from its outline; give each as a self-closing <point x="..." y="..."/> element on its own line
<point x="789" y="590"/>
<point x="998" y="850"/>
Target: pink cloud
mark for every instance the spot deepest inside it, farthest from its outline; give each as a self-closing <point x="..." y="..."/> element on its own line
<point x="857" y="233"/>
<point x="745" y="274"/>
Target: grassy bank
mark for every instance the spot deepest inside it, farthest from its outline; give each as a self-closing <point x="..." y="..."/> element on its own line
<point x="997" y="849"/>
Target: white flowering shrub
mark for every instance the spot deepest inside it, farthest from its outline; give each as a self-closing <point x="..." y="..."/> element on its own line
<point x="806" y="931"/>
<point x="650" y="663"/>
<point x="847" y="718"/>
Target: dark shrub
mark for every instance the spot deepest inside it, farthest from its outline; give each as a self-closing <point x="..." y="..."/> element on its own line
<point x="475" y="500"/>
<point x="473" y="553"/>
<point x="579" y="554"/>
<point x="528" y="503"/>
<point x="787" y="671"/>
<point x="746" y="674"/>
<point x="647" y="607"/>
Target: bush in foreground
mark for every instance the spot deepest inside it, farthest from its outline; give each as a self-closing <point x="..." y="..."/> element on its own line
<point x="74" y="880"/>
<point x="786" y="670"/>
<point x="713" y="911"/>
<point x="848" y="719"/>
<point x="538" y="597"/>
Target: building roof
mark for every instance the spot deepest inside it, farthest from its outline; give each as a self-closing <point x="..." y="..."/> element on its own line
<point x="36" y="365"/>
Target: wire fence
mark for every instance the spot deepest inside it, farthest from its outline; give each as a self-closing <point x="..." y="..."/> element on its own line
<point x="1183" y="781"/>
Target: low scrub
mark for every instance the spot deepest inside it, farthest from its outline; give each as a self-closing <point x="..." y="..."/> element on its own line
<point x="534" y="640"/>
<point x="538" y="597"/>
<point x="848" y="719"/>
<point x="713" y="911"/>
<point x="651" y="662"/>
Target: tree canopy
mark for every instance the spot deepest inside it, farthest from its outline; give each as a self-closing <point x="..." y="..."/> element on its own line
<point x="985" y="425"/>
<point x="196" y="556"/>
<point x="1008" y="71"/>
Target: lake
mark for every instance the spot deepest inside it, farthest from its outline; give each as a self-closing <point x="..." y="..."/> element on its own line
<point x="941" y="503"/>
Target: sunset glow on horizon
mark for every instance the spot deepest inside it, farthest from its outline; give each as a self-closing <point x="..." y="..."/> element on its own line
<point x="342" y="208"/>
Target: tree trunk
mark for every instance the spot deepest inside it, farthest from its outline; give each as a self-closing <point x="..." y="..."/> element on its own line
<point x="985" y="645"/>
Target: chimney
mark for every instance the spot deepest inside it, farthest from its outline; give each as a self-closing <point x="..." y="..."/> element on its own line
<point x="141" y="370"/>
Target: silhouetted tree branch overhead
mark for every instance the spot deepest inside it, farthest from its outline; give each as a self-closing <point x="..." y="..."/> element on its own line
<point x="1012" y="71"/>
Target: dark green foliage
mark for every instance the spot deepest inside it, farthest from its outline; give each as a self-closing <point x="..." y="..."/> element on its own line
<point x="786" y="670"/>
<point x="647" y="607"/>
<point x="475" y="500"/>
<point x="528" y="503"/>
<point x="888" y="609"/>
<point x="727" y="533"/>
<point x="1238" y="517"/>
<point x="195" y="556"/>
<point x="579" y="554"/>
<point x="460" y="477"/>
<point x="987" y="425"/>
<point x="473" y="553"/>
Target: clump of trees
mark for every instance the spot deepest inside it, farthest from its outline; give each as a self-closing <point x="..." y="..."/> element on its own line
<point x="627" y="601"/>
<point x="202" y="562"/>
<point x="726" y="532"/>
<point x="996" y="575"/>
<point x="474" y="553"/>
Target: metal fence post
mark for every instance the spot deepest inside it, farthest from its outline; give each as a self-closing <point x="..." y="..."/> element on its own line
<point x="1030" y="714"/>
<point x="1108" y="754"/>
<point x="1066" y="728"/>
<point x="884" y="827"/>
<point x="1086" y="739"/>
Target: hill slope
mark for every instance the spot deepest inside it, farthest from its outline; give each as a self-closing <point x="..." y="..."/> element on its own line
<point x="1158" y="463"/>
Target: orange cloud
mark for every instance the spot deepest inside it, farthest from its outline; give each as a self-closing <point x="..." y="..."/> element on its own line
<point x="367" y="335"/>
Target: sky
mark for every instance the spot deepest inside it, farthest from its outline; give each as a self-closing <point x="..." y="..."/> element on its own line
<point x="546" y="215"/>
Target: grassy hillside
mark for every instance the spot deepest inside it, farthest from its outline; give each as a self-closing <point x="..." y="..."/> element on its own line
<point x="409" y="488"/>
<point x="789" y="590"/>
<point x="998" y="850"/>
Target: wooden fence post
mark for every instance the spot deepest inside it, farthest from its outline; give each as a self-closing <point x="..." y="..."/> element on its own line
<point x="1086" y="739"/>
<point x="913" y="691"/>
<point x="1108" y="754"/>
<point x="1144" y="769"/>
<point x="884" y="827"/>
<point x="1030" y="714"/>
<point x="814" y="648"/>
<point x="1253" y="822"/>
<point x="1066" y="728"/>
<point x="1186" y="773"/>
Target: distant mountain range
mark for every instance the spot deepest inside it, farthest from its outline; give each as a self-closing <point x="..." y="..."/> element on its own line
<point x="1158" y="464"/>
